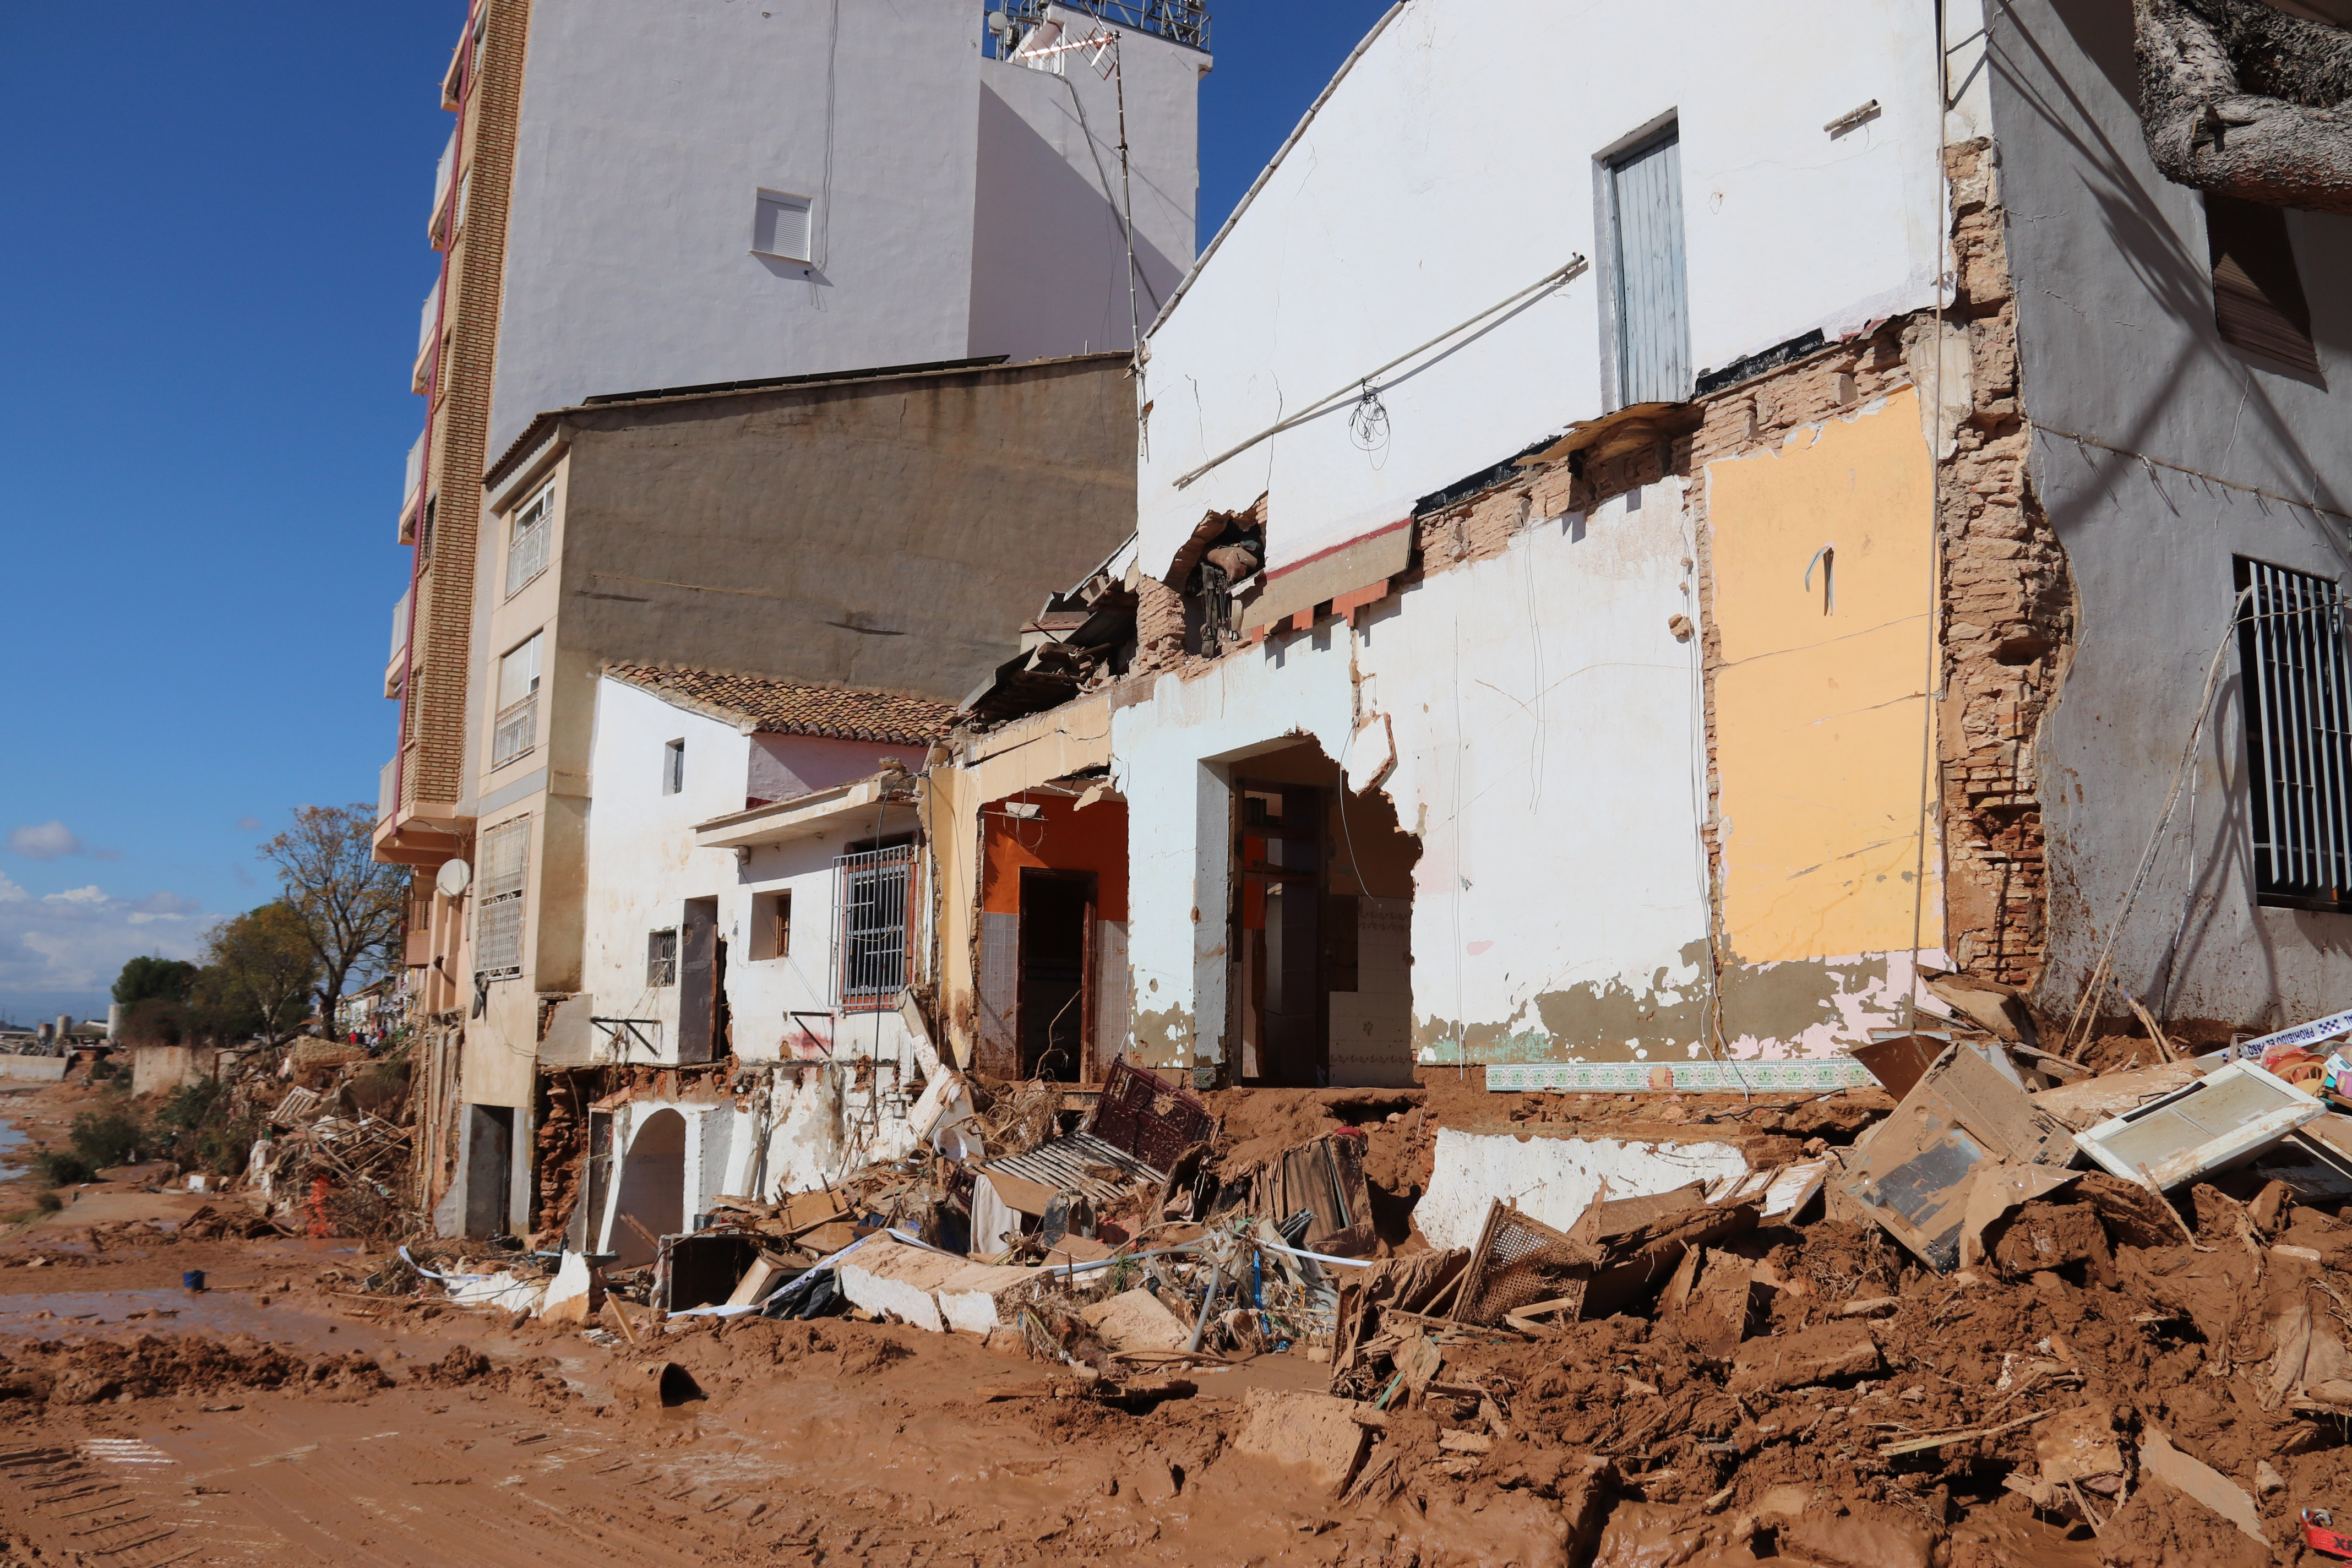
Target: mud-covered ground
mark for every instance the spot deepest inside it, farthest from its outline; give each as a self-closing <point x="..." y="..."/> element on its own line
<point x="1867" y="1414"/>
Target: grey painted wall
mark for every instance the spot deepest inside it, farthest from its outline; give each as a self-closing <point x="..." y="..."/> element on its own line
<point x="2116" y="342"/>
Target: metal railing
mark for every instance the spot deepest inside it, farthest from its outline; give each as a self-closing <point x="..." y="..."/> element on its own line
<point x="1179" y="21"/>
<point x="387" y="790"/>
<point x="527" y="550"/>
<point x="877" y="906"/>
<point x="399" y="627"/>
<point x="517" y="730"/>
<point x="2298" y="705"/>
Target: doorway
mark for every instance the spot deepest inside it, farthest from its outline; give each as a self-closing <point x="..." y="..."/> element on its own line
<point x="1318" y="987"/>
<point x="490" y="1168"/>
<point x="652" y="1189"/>
<point x="1055" y="1011"/>
<point x="698" y="989"/>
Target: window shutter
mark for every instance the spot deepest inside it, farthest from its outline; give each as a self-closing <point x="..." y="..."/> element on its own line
<point x="518" y="674"/>
<point x="1653" y="311"/>
<point x="783" y="227"/>
<point x="2258" y="299"/>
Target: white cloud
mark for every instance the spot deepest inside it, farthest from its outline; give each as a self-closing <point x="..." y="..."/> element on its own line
<point x="164" y="906"/>
<point x="66" y="948"/>
<point x="48" y="840"/>
<point x="248" y="824"/>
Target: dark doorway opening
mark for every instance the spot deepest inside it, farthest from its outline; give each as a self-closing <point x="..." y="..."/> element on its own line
<point x="1280" y="846"/>
<point x="1320" y="989"/>
<point x="490" y="1168"/>
<point x="697" y="981"/>
<point x="1056" y="1007"/>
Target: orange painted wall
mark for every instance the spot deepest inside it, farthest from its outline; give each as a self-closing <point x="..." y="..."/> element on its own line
<point x="1063" y="839"/>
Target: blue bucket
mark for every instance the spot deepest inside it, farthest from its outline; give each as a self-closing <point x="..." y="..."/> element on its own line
<point x="194" y="1280"/>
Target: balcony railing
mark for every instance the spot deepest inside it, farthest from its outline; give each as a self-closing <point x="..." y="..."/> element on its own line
<point x="441" y="180"/>
<point x="1177" y="21"/>
<point x="399" y="629"/>
<point x="387" y="791"/>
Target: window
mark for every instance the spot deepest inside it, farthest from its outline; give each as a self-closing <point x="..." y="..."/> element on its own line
<point x="2298" y="706"/>
<point x="781" y="227"/>
<point x="674" y="766"/>
<point x="527" y="544"/>
<point x="772" y="925"/>
<point x="661" y="958"/>
<point x="498" y="919"/>
<point x="877" y="901"/>
<point x="1645" y="214"/>
<point x="518" y="722"/>
<point x="2258" y="301"/>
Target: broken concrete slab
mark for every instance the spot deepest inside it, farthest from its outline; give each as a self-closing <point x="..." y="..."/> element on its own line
<point x="1314" y="1431"/>
<point x="1136" y="1320"/>
<point x="1554" y="1177"/>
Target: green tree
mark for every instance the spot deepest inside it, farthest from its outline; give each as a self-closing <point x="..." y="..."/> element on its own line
<point x="262" y="961"/>
<point x="353" y="907"/>
<point x="145" y="979"/>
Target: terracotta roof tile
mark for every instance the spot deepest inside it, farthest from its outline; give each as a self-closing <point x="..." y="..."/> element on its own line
<point x="795" y="707"/>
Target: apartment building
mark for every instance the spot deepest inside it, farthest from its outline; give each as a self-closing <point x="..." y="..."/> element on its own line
<point x="713" y="193"/>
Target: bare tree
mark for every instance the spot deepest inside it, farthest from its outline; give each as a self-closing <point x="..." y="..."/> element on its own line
<point x="353" y="907"/>
<point x="261" y="963"/>
<point x="2250" y="100"/>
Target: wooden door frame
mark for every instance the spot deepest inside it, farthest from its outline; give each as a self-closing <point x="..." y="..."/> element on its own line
<point x="1093" y="881"/>
<point x="1319" y="881"/>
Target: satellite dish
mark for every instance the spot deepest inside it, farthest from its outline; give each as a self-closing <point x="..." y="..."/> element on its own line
<point x="454" y="878"/>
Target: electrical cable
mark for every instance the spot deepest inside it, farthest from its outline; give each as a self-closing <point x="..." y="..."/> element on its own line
<point x="1359" y="386"/>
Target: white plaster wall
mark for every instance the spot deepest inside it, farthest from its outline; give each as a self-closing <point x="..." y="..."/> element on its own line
<point x="642" y="861"/>
<point x="1553" y="1180"/>
<point x="646" y="132"/>
<point x="1452" y="168"/>
<point x="1049" y="246"/>
<point x="1545" y="725"/>
<point x="785" y="766"/>
<point x="2113" y="278"/>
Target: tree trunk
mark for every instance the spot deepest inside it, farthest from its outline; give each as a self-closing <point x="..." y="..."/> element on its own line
<point x="2244" y="101"/>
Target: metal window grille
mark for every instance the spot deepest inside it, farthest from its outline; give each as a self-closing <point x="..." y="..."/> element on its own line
<point x="518" y="729"/>
<point x="527" y="549"/>
<point x="661" y="958"/>
<point x="2297" y="686"/>
<point x="498" y="918"/>
<point x="878" y="904"/>
<point x="1179" y="21"/>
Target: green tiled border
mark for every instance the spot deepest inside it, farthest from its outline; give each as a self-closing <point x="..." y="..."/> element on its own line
<point x="1814" y="1076"/>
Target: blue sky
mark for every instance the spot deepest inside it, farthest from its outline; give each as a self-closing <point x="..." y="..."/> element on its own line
<point x="216" y="259"/>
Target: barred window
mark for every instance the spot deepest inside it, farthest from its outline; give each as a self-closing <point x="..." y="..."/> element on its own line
<point x="498" y="918"/>
<point x="661" y="958"/>
<point x="527" y="545"/>
<point x="2298" y="706"/>
<point x="878" y="904"/>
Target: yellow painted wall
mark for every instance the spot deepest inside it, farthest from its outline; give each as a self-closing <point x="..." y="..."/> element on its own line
<point x="1817" y="715"/>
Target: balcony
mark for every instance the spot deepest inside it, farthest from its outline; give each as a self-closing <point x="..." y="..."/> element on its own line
<point x="441" y="191"/>
<point x="420" y="377"/>
<point x="414" y="831"/>
<point x="397" y="665"/>
<point x="414" y="483"/>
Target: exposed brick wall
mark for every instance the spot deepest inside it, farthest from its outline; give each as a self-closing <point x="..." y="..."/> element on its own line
<point x="2008" y="616"/>
<point x="440" y="680"/>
